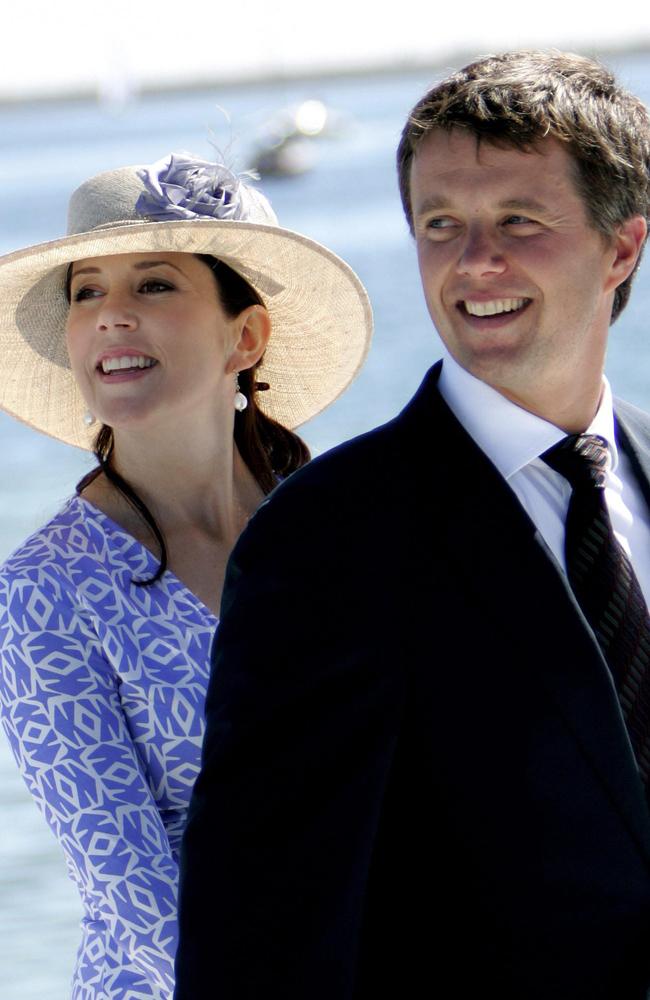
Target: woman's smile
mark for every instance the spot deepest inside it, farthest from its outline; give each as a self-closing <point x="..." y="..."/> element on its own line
<point x="123" y="364"/>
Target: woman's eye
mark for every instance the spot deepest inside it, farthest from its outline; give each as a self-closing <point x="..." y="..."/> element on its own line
<point x="153" y="285"/>
<point x="85" y="293"/>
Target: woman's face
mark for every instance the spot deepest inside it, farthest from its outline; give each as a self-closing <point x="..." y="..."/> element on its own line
<point x="149" y="339"/>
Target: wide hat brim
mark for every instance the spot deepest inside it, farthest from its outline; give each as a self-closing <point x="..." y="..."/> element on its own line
<point x="320" y="314"/>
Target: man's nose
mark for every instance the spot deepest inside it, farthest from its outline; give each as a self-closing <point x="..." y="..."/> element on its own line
<point x="481" y="253"/>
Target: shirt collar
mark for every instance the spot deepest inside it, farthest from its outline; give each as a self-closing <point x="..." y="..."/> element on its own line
<point x="510" y="436"/>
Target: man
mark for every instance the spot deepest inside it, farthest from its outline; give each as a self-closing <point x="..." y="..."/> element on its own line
<point x="425" y="762"/>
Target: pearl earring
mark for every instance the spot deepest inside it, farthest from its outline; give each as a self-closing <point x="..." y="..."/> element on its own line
<point x="240" y="401"/>
<point x="88" y="418"/>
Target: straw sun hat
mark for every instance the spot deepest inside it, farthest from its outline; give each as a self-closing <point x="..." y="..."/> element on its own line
<point x="320" y="313"/>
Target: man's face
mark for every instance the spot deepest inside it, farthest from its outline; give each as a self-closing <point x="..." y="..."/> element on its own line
<point x="518" y="283"/>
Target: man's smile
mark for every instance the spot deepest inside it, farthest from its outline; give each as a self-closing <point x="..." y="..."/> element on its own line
<point x="493" y="307"/>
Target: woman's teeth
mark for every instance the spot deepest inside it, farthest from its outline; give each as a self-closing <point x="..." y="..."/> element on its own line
<point x="128" y="361"/>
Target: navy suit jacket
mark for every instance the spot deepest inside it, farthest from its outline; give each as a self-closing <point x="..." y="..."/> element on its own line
<point x="416" y="778"/>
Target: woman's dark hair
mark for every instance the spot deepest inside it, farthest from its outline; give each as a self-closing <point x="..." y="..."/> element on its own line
<point x="270" y="450"/>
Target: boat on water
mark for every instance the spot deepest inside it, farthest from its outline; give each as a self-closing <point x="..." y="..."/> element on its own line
<point x="286" y="145"/>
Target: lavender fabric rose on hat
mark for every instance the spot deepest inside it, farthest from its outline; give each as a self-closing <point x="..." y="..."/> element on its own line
<point x="179" y="186"/>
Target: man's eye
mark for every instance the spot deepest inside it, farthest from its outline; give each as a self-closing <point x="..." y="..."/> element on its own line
<point x="441" y="228"/>
<point x="444" y="222"/>
<point x="519" y="220"/>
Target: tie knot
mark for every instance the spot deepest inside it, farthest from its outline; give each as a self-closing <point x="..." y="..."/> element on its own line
<point x="580" y="458"/>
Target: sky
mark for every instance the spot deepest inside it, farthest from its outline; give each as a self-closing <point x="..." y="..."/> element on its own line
<point x="54" y="48"/>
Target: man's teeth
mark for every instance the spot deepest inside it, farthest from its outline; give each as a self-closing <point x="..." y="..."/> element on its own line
<point x="493" y="307"/>
<point x="128" y="361"/>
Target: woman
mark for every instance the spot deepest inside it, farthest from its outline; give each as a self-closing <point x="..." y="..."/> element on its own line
<point x="148" y="333"/>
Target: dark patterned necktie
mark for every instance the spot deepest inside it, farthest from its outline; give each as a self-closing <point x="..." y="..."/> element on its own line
<point x="605" y="585"/>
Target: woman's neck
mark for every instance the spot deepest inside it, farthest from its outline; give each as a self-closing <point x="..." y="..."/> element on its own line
<point x="200" y="495"/>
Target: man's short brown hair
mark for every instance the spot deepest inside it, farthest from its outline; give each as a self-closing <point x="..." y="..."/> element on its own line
<point x="520" y="98"/>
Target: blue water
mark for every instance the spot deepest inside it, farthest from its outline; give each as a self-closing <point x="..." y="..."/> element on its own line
<point x="349" y="202"/>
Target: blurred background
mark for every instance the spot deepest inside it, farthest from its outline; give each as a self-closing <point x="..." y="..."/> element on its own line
<point x="315" y="98"/>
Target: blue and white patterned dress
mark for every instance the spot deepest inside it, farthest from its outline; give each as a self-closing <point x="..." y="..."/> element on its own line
<point x="102" y="688"/>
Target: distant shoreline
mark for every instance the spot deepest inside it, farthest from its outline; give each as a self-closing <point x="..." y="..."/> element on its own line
<point x="280" y="77"/>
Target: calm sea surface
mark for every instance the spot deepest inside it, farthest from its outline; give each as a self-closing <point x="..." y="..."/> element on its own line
<point x="349" y="202"/>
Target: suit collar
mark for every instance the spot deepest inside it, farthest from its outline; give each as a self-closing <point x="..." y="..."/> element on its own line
<point x="508" y="434"/>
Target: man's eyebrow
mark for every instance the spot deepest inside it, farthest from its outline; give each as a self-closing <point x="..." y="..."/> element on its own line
<point x="527" y="204"/>
<point x="435" y="202"/>
<point x="431" y="203"/>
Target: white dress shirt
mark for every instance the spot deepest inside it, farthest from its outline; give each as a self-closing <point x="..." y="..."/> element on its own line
<point x="513" y="439"/>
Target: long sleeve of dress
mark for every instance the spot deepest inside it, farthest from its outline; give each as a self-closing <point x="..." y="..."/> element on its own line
<point x="61" y="710"/>
<point x="102" y="690"/>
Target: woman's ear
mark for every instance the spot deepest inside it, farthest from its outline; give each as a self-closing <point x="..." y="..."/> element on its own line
<point x="252" y="332"/>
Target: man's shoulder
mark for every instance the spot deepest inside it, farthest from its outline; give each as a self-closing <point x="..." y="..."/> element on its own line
<point x="321" y="509"/>
<point x="343" y="472"/>
<point x="371" y="459"/>
<point x="630" y="413"/>
<point x="634" y="422"/>
<point x="349" y="489"/>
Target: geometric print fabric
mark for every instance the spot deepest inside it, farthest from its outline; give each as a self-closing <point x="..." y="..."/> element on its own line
<point x="102" y="693"/>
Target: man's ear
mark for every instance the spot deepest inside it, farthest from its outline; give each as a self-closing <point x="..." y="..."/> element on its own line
<point x="627" y="243"/>
<point x="252" y="332"/>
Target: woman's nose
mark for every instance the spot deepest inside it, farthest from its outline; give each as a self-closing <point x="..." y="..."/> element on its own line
<point x="116" y="312"/>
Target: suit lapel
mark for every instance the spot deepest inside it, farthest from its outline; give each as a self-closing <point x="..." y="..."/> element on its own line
<point x="633" y="435"/>
<point x="506" y="559"/>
